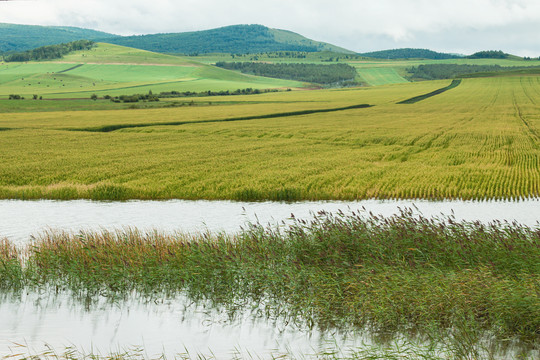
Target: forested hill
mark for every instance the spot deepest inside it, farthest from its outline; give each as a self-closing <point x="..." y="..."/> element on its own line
<point x="50" y="52"/>
<point x="408" y="53"/>
<point x="26" y="37"/>
<point x="236" y="39"/>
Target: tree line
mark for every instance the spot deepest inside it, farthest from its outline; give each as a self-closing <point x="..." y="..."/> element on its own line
<point x="49" y="52"/>
<point x="313" y="73"/>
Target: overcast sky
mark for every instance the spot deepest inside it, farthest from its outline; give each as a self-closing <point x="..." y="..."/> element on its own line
<point x="459" y="26"/>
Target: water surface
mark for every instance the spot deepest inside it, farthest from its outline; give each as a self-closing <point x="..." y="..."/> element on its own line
<point x="177" y="325"/>
<point x="163" y="326"/>
<point x="19" y="220"/>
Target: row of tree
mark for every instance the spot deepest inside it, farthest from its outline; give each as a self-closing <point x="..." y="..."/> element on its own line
<point x="49" y="52"/>
<point x="248" y="91"/>
<point x="313" y="73"/>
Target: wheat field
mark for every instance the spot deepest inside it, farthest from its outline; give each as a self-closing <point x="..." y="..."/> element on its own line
<point x="479" y="140"/>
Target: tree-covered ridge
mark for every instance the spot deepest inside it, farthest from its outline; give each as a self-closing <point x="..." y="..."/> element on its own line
<point x="408" y="53"/>
<point x="450" y="71"/>
<point x="313" y="73"/>
<point x="236" y="39"/>
<point x="17" y="38"/>
<point x="50" y="52"/>
<point x="490" y="54"/>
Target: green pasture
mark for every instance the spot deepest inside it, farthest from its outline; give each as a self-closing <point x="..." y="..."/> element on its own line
<point x="478" y="140"/>
<point x="374" y="72"/>
<point x="107" y="53"/>
<point x="380" y="76"/>
<point x="115" y="70"/>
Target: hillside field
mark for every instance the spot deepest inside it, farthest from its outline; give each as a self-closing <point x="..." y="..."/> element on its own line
<point x="373" y="72"/>
<point x="478" y="140"/>
<point x="116" y="70"/>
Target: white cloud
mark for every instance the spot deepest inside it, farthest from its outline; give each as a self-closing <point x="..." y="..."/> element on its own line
<point x="354" y="24"/>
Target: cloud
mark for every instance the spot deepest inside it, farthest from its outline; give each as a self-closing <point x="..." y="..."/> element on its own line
<point x="350" y="23"/>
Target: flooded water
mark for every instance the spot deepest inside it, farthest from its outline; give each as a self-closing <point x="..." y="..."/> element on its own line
<point x="32" y="322"/>
<point x="19" y="220"/>
<point x="166" y="327"/>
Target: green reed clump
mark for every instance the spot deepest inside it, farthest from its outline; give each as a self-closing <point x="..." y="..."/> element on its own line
<point x="11" y="271"/>
<point x="399" y="273"/>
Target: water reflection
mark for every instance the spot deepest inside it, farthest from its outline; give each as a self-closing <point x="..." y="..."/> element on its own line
<point x="169" y="326"/>
<point x="34" y="323"/>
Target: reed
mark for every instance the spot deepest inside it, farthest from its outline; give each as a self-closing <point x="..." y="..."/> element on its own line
<point x="11" y="270"/>
<point x="396" y="274"/>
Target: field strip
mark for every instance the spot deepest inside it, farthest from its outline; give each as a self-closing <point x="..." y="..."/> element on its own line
<point x="413" y="100"/>
<point x="532" y="131"/>
<point x="110" y="128"/>
<point x="174" y="81"/>
<point x="121" y="63"/>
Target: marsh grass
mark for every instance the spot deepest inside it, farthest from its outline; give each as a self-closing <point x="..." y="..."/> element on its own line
<point x="404" y="273"/>
<point x="11" y="270"/>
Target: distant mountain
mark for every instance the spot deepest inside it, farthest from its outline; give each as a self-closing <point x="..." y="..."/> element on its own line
<point x="25" y="37"/>
<point x="236" y="39"/>
<point x="408" y="53"/>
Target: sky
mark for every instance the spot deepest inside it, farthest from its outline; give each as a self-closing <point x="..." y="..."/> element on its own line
<point x="456" y="26"/>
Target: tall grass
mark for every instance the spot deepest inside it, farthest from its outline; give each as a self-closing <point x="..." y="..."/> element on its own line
<point x="398" y="274"/>
<point x="11" y="270"/>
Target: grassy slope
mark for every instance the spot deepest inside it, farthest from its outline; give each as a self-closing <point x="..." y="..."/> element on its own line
<point x="289" y="37"/>
<point x="381" y="76"/>
<point x="478" y="140"/>
<point x="116" y="70"/>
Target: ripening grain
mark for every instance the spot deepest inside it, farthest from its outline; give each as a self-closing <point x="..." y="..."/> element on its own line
<point x="479" y="140"/>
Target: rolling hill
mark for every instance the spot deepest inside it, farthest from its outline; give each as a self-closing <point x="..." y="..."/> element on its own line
<point x="25" y="37"/>
<point x="236" y="39"/>
<point x="116" y="70"/>
<point x="408" y="53"/>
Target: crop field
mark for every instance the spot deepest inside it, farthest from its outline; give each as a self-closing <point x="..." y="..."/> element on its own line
<point x="380" y="76"/>
<point x="374" y="72"/>
<point x="115" y="70"/>
<point x="478" y="140"/>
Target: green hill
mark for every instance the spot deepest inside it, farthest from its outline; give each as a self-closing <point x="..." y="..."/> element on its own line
<point x="25" y="37"/>
<point x="236" y="39"/>
<point x="408" y="53"/>
<point x="107" y="69"/>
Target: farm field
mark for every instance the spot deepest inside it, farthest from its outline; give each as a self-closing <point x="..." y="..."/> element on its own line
<point x="478" y="140"/>
<point x="115" y="70"/>
<point x="374" y="72"/>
